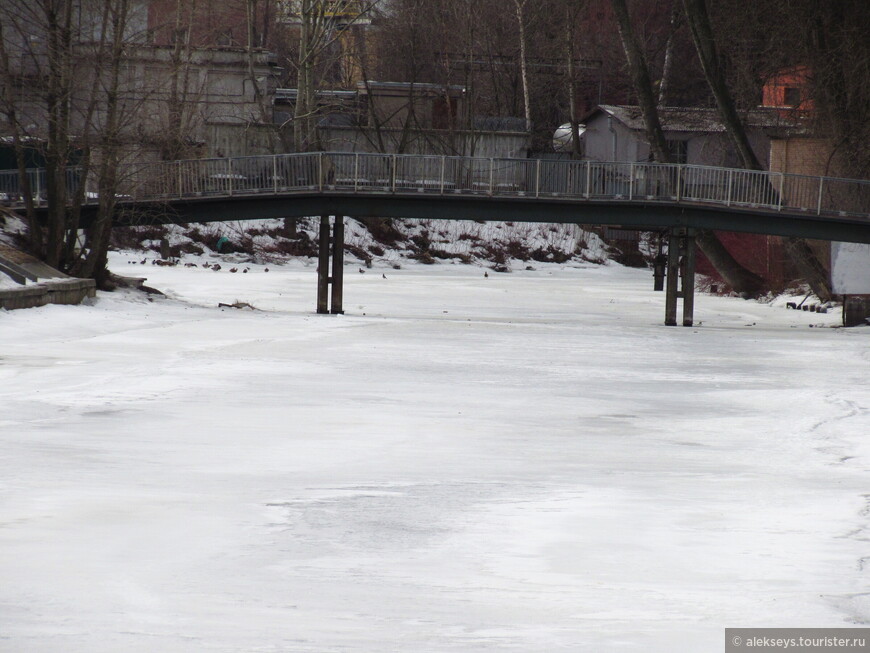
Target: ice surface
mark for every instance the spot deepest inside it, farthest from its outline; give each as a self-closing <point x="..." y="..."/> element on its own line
<point x="524" y="462"/>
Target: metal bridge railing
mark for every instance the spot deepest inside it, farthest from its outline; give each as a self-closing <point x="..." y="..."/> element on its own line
<point x="346" y="172"/>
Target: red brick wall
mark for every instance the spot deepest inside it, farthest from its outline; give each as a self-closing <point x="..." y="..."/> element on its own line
<point x="774" y="93"/>
<point x="763" y="255"/>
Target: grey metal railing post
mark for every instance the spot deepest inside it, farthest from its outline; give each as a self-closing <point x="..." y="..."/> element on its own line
<point x="180" y="186"/>
<point x="491" y="173"/>
<point x="538" y="179"/>
<point x="631" y="181"/>
<point x="320" y="171"/>
<point x="229" y="177"/>
<point x="679" y="181"/>
<point x="393" y="175"/>
<point x="730" y="186"/>
<point x="443" y="164"/>
<point x="356" y="172"/>
<point x="588" y="179"/>
<point x="275" y="174"/>
<point x="821" y="187"/>
<point x="781" y="184"/>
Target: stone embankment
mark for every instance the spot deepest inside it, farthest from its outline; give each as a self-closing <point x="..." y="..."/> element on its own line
<point x="38" y="284"/>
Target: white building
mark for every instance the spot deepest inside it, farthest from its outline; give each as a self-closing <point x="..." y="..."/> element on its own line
<point x="697" y="136"/>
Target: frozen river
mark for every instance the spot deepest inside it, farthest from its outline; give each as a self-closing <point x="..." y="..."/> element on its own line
<point x="525" y="462"/>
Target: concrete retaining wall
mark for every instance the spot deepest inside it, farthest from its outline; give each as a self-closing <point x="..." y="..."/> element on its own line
<point x="57" y="291"/>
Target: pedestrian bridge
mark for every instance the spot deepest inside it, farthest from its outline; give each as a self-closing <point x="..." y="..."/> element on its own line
<point x="678" y="198"/>
<point x="452" y="187"/>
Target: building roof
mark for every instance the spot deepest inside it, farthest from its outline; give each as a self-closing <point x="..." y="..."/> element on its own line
<point x="404" y="88"/>
<point x="290" y="94"/>
<point x="682" y="119"/>
<point x="499" y="123"/>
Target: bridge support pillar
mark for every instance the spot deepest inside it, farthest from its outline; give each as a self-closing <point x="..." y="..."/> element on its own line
<point x="688" y="284"/>
<point x="337" y="265"/>
<point x="330" y="248"/>
<point x="323" y="266"/>
<point x="680" y="276"/>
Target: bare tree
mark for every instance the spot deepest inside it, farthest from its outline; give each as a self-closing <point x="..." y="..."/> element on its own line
<point x="173" y="135"/>
<point x="321" y="24"/>
<point x="520" y="9"/>
<point x="738" y="277"/>
<point x="43" y="37"/>
<point x="639" y="72"/>
<point x="572" y="9"/>
<point x="97" y="242"/>
<point x="262" y="98"/>
<point x="79" y="106"/>
<point x="9" y="81"/>
<point x="797" y="249"/>
<point x="58" y="94"/>
<point x="702" y="35"/>
<point x="668" y="63"/>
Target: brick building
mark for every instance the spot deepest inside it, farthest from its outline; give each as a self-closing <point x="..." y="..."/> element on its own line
<point x="787" y="91"/>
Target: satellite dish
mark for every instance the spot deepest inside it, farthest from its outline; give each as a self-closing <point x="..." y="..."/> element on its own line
<point x="562" y="137"/>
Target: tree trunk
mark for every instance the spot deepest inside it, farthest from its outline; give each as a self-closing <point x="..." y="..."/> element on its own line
<point x="572" y="84"/>
<point x="809" y="267"/>
<point x="469" y="78"/>
<point x="174" y="140"/>
<point x="96" y="96"/>
<point x="57" y="147"/>
<point x="318" y="30"/>
<point x="302" y="114"/>
<point x="99" y="234"/>
<point x="263" y="101"/>
<point x="520" y="6"/>
<point x="667" y="65"/>
<point x="639" y="72"/>
<point x="7" y="106"/>
<point x="796" y="249"/>
<point x="171" y="146"/>
<point x="743" y="281"/>
<point x="702" y="35"/>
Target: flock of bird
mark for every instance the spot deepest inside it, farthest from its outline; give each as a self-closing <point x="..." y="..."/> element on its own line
<point x="217" y="267"/>
<point x="208" y="266"/>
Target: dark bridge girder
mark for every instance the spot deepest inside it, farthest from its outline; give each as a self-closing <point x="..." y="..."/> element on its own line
<point x="632" y="213"/>
<point x="681" y="219"/>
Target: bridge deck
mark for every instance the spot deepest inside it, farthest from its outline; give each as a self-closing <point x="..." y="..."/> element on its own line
<point x="390" y="185"/>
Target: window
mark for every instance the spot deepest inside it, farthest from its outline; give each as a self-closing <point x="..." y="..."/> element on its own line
<point x="791" y="96"/>
<point x="679" y="151"/>
<point x="179" y="35"/>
